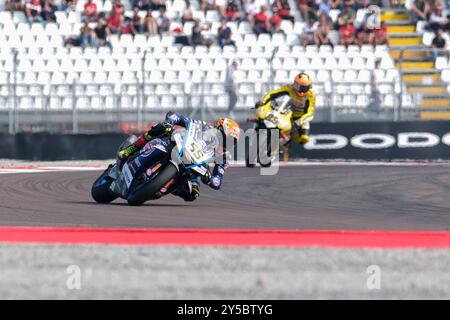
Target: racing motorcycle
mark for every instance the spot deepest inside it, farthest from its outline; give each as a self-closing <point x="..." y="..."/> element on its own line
<point x="268" y="117"/>
<point x="171" y="162"/>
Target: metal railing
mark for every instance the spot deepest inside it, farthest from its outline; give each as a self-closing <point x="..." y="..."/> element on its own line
<point x="81" y="107"/>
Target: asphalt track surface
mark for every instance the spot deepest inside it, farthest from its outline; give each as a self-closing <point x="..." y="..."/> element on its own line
<point x="298" y="197"/>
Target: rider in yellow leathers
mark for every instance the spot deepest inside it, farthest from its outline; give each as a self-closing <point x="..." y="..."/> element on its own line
<point x="302" y="102"/>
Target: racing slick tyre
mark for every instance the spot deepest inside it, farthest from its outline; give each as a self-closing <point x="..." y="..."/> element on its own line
<point x="100" y="191"/>
<point x="147" y="191"/>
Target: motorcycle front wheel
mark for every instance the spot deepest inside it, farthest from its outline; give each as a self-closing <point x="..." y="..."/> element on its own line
<point x="100" y="191"/>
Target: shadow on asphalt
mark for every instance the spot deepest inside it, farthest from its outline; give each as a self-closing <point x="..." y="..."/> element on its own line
<point x="147" y="204"/>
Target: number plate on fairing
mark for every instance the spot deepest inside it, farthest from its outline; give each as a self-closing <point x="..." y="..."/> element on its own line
<point x="127" y="175"/>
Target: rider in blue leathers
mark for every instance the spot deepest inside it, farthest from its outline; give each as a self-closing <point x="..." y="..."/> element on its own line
<point x="191" y="189"/>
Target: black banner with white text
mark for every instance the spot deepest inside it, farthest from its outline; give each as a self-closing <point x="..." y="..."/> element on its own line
<point x="423" y="140"/>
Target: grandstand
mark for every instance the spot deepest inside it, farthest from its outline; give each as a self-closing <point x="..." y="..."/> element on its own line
<point x="44" y="81"/>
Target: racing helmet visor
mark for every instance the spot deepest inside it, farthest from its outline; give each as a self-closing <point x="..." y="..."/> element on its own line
<point x="301" y="88"/>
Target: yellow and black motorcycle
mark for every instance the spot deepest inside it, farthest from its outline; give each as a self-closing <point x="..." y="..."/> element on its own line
<point x="269" y="120"/>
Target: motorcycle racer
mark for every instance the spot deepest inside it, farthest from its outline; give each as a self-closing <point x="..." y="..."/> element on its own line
<point x="190" y="190"/>
<point x="302" y="102"/>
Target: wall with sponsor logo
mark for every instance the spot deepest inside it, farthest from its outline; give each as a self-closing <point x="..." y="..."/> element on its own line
<point x="377" y="140"/>
<point x="362" y="140"/>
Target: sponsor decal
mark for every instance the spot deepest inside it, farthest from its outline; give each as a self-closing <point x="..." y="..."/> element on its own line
<point x="160" y="147"/>
<point x="128" y="177"/>
<point x="423" y="140"/>
<point x="377" y="141"/>
<point x="215" y="181"/>
<point x="153" y="169"/>
<point x="148" y="147"/>
<point x="166" y="186"/>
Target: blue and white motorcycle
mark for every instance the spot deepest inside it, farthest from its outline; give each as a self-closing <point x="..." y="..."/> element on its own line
<point x="158" y="169"/>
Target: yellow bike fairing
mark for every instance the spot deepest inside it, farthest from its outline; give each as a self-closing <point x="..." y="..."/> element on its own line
<point x="302" y="106"/>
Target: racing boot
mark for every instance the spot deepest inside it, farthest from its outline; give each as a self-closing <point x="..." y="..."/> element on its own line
<point x="161" y="129"/>
<point x="301" y="136"/>
<point x="188" y="191"/>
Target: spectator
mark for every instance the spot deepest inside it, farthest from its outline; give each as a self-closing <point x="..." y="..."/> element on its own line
<point x="206" y="5"/>
<point x="367" y="3"/>
<point x="145" y="5"/>
<point x="114" y="22"/>
<point x="283" y="9"/>
<point x="33" y="10"/>
<point x="68" y="5"/>
<point x="335" y="4"/>
<point x="373" y="19"/>
<point x="90" y="9"/>
<point x="420" y="9"/>
<point x="347" y="33"/>
<point x="275" y="24"/>
<point x="308" y="9"/>
<point x="48" y="10"/>
<point x="102" y="33"/>
<point x="348" y="4"/>
<point x="158" y="5"/>
<point x="261" y="22"/>
<point x="322" y="31"/>
<point x="437" y="19"/>
<point x="230" y="87"/>
<point x="224" y="34"/>
<point x="324" y="7"/>
<point x="87" y="35"/>
<point x="366" y="32"/>
<point x="138" y="21"/>
<point x="188" y="13"/>
<point x="151" y="25"/>
<point x="433" y="4"/>
<point x="14" y="5"/>
<point x="309" y="30"/>
<point x="252" y="8"/>
<point x="163" y="21"/>
<point x="118" y="8"/>
<point x="127" y="27"/>
<point x="232" y="11"/>
<point x="380" y="34"/>
<point x="347" y="15"/>
<point x="439" y="43"/>
<point x="197" y="39"/>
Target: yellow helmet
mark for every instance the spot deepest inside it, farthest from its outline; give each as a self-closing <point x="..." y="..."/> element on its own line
<point x="302" y="84"/>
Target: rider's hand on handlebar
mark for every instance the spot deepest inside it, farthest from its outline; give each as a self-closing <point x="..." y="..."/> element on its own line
<point x="258" y="104"/>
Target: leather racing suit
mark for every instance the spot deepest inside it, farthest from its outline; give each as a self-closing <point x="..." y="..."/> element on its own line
<point x="303" y="108"/>
<point x="190" y="190"/>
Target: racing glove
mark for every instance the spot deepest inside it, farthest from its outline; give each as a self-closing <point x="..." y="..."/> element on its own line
<point x="258" y="104"/>
<point x="215" y="182"/>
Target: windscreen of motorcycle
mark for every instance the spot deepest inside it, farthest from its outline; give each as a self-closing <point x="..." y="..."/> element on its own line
<point x="196" y="146"/>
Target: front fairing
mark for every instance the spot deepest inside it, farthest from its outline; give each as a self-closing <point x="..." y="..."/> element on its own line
<point x="196" y="147"/>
